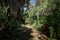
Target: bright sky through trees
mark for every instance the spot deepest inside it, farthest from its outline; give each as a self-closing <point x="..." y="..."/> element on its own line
<point x="33" y="2"/>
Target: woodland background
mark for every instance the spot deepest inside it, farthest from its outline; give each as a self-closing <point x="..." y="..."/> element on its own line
<point x="21" y="19"/>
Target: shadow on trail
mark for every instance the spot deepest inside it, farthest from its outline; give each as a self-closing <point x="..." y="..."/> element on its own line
<point x="22" y="33"/>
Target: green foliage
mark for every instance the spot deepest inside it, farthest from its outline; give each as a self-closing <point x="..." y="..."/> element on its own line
<point x="3" y="15"/>
<point x="45" y="14"/>
<point x="10" y="28"/>
<point x="37" y="14"/>
<point x="38" y="17"/>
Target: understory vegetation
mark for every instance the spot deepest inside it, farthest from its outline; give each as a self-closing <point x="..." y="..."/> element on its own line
<point x="43" y="16"/>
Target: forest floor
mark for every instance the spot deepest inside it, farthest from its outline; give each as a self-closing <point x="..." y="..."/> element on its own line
<point x="35" y="33"/>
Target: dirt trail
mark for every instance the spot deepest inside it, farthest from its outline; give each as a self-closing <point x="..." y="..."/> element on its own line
<point x="36" y="34"/>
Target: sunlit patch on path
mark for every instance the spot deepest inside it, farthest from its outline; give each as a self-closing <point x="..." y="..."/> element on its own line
<point x="35" y="33"/>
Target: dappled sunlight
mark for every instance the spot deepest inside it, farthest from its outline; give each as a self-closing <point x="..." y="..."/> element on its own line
<point x="29" y="20"/>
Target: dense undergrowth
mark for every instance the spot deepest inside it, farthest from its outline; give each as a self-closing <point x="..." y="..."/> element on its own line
<point x="45" y="17"/>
